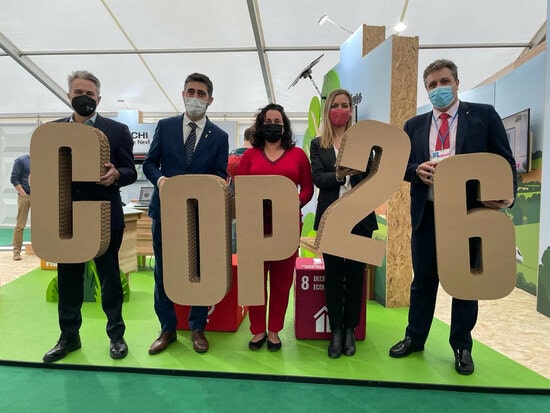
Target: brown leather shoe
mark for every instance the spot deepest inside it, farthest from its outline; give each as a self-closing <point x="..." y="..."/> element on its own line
<point x="200" y="343"/>
<point x="162" y="342"/>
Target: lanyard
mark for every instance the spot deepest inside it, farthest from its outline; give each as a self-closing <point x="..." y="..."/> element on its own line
<point x="444" y="138"/>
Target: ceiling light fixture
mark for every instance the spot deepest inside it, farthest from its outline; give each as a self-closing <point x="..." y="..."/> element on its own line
<point x="324" y="18"/>
<point x="123" y="102"/>
<point x="399" y="27"/>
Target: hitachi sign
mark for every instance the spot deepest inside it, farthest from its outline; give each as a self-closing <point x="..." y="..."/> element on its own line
<point x="141" y="138"/>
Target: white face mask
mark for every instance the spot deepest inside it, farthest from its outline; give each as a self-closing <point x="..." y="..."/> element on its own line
<point x="195" y="107"/>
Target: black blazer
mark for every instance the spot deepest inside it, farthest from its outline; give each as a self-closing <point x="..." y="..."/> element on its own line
<point x="479" y="129"/>
<point x="324" y="177"/>
<point x="122" y="157"/>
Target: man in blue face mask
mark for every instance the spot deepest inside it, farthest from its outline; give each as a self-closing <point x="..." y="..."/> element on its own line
<point x="451" y="128"/>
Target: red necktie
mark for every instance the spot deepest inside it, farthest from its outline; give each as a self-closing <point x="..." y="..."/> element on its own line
<point x="443" y="137"/>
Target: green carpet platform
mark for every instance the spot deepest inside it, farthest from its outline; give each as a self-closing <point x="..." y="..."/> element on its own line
<point x="28" y="325"/>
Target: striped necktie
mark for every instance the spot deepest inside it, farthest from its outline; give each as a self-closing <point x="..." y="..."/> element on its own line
<point x="190" y="142"/>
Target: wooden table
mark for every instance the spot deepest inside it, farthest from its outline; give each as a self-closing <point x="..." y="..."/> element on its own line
<point x="128" y="249"/>
<point x="144" y="239"/>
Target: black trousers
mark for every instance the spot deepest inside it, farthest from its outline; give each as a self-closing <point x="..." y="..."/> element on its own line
<point x="424" y="291"/>
<point x="343" y="290"/>
<point x="71" y="292"/>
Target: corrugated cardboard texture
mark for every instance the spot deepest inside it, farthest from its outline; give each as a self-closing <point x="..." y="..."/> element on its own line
<point x="392" y="147"/>
<point x="196" y="254"/>
<point x="454" y="225"/>
<point x="62" y="230"/>
<point x="253" y="246"/>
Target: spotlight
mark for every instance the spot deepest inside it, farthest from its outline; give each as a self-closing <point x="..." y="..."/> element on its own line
<point x="399" y="27"/>
<point x="324" y="18"/>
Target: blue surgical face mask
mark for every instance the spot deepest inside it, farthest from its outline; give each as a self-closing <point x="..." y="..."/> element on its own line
<point x="441" y="96"/>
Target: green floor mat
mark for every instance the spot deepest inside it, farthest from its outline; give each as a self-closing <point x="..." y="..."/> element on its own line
<point x="28" y="326"/>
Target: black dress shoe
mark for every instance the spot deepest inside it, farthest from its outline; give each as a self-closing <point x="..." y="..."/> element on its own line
<point x="61" y="349"/>
<point x="464" y="364"/>
<point x="118" y="349"/>
<point x="271" y="346"/>
<point x="256" y="345"/>
<point x="335" y="346"/>
<point x="349" y="342"/>
<point x="405" y="347"/>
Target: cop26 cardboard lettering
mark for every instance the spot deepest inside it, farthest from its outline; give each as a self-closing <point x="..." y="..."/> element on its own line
<point x="253" y="247"/>
<point x="495" y="277"/>
<point x="63" y="230"/>
<point x="391" y="148"/>
<point x="197" y="208"/>
<point x="196" y="239"/>
<point x="200" y="274"/>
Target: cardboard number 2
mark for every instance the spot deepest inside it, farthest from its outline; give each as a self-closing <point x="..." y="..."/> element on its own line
<point x="391" y="146"/>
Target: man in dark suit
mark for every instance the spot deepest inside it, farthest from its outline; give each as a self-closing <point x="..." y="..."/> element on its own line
<point x="453" y="127"/>
<point x="184" y="144"/>
<point x="84" y="94"/>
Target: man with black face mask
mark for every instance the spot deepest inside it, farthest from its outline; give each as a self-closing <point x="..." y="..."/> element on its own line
<point x="84" y="95"/>
<point x="185" y="144"/>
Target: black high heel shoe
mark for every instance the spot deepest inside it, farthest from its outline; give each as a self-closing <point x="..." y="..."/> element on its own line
<point x="256" y="345"/>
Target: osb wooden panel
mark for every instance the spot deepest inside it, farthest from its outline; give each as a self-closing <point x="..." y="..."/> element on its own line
<point x="372" y="37"/>
<point x="398" y="249"/>
<point x="404" y="79"/>
<point x="403" y="107"/>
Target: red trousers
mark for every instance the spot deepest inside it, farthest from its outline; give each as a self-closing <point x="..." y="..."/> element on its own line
<point x="281" y="275"/>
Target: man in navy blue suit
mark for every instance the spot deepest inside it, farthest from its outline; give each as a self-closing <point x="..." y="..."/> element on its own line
<point x="184" y="144"/>
<point x="84" y="89"/>
<point x="452" y="128"/>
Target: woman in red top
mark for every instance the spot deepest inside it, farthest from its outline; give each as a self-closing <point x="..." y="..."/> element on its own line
<point x="274" y="153"/>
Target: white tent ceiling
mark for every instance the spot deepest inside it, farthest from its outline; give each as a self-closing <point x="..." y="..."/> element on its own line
<point x="142" y="50"/>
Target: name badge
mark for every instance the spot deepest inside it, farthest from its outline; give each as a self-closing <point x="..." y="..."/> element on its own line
<point x="440" y="155"/>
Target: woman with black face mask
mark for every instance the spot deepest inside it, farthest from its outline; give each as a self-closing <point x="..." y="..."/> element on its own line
<point x="274" y="153"/>
<point x="343" y="276"/>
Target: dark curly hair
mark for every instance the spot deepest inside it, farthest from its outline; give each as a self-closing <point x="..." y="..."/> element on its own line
<point x="259" y="140"/>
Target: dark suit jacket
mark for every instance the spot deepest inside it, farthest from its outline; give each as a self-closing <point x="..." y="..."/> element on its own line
<point x="166" y="155"/>
<point x="122" y="157"/>
<point x="324" y="177"/>
<point x="479" y="129"/>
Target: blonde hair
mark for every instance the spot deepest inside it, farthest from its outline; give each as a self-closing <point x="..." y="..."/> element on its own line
<point x="327" y="132"/>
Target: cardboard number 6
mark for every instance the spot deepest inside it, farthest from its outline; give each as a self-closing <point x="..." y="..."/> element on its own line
<point x="493" y="274"/>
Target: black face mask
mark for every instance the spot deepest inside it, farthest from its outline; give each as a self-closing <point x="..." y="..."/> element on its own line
<point x="84" y="105"/>
<point x="272" y="132"/>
